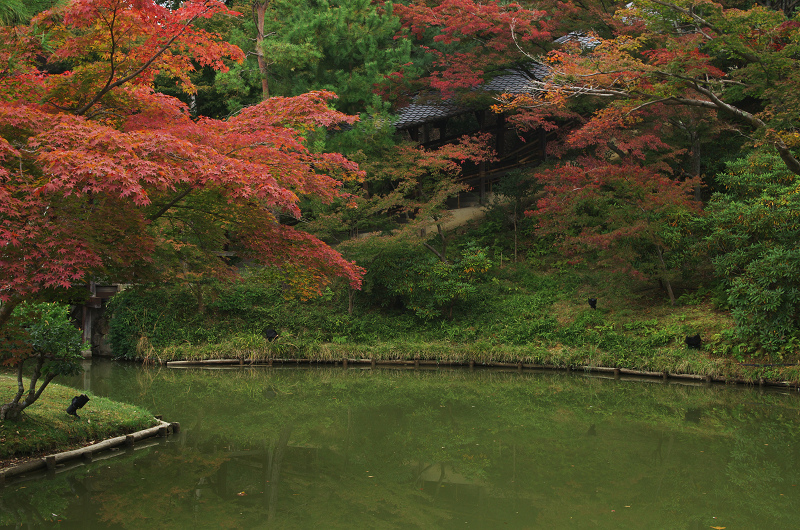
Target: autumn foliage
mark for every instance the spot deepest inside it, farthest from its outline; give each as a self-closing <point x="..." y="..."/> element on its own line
<point x="99" y="174"/>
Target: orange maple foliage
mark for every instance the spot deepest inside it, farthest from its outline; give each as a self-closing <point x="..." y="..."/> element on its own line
<point x="97" y="170"/>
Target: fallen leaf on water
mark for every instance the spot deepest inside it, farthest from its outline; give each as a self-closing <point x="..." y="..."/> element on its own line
<point x="717" y="527"/>
<point x="241" y="494"/>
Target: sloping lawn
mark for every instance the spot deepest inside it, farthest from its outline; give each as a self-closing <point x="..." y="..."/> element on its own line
<point x="46" y="427"/>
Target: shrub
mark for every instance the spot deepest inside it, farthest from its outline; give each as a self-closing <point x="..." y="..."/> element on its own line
<point x="753" y="232"/>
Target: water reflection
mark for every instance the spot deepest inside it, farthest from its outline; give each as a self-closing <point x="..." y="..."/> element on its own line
<point x="289" y="448"/>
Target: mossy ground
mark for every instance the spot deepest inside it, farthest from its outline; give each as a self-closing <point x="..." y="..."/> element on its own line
<point x="46" y="428"/>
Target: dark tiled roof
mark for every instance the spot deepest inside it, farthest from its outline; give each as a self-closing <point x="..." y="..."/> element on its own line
<point x="583" y="40"/>
<point x="416" y="114"/>
<point x="516" y="82"/>
<point x="432" y="109"/>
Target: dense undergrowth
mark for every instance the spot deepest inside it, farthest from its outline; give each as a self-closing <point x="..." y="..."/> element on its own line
<point x="518" y="314"/>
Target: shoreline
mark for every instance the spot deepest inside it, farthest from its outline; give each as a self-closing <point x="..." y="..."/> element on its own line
<point x="17" y="467"/>
<point x="616" y="372"/>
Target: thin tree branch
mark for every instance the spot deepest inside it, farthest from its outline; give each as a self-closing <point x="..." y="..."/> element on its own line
<point x="164" y="209"/>
<point x="112" y="85"/>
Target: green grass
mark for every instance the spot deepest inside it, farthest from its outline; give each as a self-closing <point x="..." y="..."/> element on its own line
<point x="45" y="425"/>
<point x="523" y="314"/>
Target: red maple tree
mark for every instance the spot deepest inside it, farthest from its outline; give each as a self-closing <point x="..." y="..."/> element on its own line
<point x="98" y="172"/>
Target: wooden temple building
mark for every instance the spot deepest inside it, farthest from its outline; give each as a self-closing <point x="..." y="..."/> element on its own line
<point x="432" y="122"/>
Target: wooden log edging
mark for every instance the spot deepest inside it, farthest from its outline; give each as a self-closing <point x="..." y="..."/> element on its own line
<point x="50" y="462"/>
<point x="417" y="363"/>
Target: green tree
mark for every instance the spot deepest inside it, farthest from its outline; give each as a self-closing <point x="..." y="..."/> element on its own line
<point x="102" y="176"/>
<point x="753" y="229"/>
<point x="346" y="47"/>
<point x="39" y="336"/>
<point x="294" y="47"/>
<point x="428" y="286"/>
<point x="740" y="66"/>
<point x="21" y="11"/>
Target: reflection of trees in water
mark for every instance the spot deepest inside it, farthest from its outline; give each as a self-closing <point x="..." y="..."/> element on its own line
<point x="377" y="446"/>
<point x="21" y="512"/>
<point x="250" y="473"/>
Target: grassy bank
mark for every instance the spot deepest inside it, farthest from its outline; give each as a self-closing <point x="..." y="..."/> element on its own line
<point x="518" y="315"/>
<point x="46" y="427"/>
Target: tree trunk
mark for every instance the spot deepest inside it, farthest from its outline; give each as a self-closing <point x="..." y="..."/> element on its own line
<point x="515" y="232"/>
<point x="6" y="308"/>
<point x="698" y="190"/>
<point x="442" y="255"/>
<point x="201" y="303"/>
<point x="259" y="11"/>
<point x="350" y="295"/>
<point x="11" y="411"/>
<point x="665" y="279"/>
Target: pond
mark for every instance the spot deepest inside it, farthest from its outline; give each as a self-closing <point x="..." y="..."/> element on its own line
<point x="397" y="448"/>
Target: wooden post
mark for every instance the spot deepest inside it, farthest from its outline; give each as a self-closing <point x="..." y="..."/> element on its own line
<point x="372" y="362"/>
<point x="617" y="373"/>
<point x="50" y="461"/>
<point x="666" y="376"/>
<point x="519" y="366"/>
<point x="471" y="364"/>
<point x="130" y="440"/>
<point x="88" y="457"/>
<point x="416" y="364"/>
<point x="344" y="362"/>
<point x="176" y="427"/>
<point x="162" y="431"/>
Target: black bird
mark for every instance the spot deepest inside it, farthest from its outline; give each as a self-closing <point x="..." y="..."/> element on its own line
<point x="77" y="403"/>
<point x="270" y="334"/>
<point x="694" y="341"/>
<point x="593" y="303"/>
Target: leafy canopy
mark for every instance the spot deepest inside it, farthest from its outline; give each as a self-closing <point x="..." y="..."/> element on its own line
<point x="98" y="171"/>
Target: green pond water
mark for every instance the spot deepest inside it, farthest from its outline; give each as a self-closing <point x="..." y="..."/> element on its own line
<point x="388" y="448"/>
